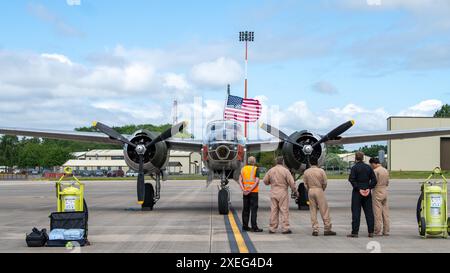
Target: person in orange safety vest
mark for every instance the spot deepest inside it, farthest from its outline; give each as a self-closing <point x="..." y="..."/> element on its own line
<point x="249" y="182"/>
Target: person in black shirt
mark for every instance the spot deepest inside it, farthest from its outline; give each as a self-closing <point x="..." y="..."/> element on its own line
<point x="363" y="180"/>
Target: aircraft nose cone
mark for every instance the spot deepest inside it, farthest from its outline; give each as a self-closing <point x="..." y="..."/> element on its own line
<point x="223" y="152"/>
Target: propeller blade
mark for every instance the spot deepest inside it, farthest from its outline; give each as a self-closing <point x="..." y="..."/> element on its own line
<point x="112" y="133"/>
<point x="279" y="134"/>
<point x="336" y="132"/>
<point x="168" y="133"/>
<point x="141" y="181"/>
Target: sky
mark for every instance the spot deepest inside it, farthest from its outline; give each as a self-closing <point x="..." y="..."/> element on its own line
<point x="313" y="65"/>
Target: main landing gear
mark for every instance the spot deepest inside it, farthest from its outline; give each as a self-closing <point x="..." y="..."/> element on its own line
<point x="302" y="200"/>
<point x="224" y="196"/>
<point x="152" y="196"/>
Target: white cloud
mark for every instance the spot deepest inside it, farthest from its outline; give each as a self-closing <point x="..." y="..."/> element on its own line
<point x="424" y="108"/>
<point x="298" y="116"/>
<point x="419" y="6"/>
<point x="176" y="81"/>
<point x="324" y="87"/>
<point x="58" y="57"/>
<point x="51" y="90"/>
<point x="218" y="73"/>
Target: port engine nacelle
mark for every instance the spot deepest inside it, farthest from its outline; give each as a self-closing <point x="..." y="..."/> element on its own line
<point x="156" y="157"/>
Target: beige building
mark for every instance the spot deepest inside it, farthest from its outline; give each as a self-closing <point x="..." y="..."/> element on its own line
<point x="112" y="160"/>
<point x="184" y="163"/>
<point x="349" y="158"/>
<point x="422" y="154"/>
<point x="106" y="160"/>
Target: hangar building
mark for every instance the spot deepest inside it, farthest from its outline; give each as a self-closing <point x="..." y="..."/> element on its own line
<point x="422" y="154"/>
<point x="112" y="160"/>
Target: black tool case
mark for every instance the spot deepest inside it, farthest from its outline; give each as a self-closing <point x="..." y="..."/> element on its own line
<point x="69" y="220"/>
<point x="37" y="238"/>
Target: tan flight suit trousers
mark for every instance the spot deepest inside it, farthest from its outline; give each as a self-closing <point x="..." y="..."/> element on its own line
<point x="315" y="180"/>
<point x="380" y="201"/>
<point x="318" y="201"/>
<point x="381" y="210"/>
<point x="279" y="208"/>
<point x="280" y="180"/>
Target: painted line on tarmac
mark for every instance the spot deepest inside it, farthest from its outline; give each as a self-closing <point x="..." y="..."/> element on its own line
<point x="239" y="241"/>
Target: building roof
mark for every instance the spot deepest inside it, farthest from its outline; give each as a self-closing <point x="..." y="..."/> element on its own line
<point x="101" y="153"/>
<point x="418" y="117"/>
<point x="175" y="164"/>
<point x="95" y="163"/>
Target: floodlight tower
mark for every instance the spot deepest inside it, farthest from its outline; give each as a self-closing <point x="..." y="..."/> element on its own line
<point x="175" y="112"/>
<point x="246" y="36"/>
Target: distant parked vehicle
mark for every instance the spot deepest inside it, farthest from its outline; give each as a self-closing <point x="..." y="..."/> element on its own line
<point x="85" y="174"/>
<point x="99" y="173"/>
<point x="118" y="173"/>
<point x="204" y="171"/>
<point x="132" y="173"/>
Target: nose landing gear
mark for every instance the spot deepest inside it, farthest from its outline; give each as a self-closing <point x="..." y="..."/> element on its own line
<point x="224" y="196"/>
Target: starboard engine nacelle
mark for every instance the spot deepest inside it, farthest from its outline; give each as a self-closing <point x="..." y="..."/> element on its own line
<point x="295" y="158"/>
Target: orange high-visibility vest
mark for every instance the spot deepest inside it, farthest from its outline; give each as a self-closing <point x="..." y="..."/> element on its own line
<point x="248" y="174"/>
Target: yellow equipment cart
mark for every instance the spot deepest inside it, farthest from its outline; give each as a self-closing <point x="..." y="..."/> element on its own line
<point x="70" y="194"/>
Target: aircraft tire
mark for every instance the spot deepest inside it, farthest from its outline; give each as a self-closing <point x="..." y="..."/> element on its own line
<point x="419" y="208"/>
<point x="423" y="227"/>
<point x="448" y="226"/>
<point x="303" y="197"/>
<point x="149" y="201"/>
<point x="223" y="201"/>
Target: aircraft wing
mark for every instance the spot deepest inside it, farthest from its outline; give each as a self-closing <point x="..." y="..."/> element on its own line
<point x="254" y="146"/>
<point x="185" y="145"/>
<point x="61" y="135"/>
<point x="390" y="135"/>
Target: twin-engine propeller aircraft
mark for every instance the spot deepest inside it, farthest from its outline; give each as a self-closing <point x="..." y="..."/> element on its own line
<point x="224" y="150"/>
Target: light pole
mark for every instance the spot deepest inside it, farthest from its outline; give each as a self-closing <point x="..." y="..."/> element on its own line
<point x="246" y="36"/>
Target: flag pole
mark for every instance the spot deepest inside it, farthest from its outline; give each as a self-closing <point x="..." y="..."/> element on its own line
<point x="246" y="83"/>
<point x="246" y="36"/>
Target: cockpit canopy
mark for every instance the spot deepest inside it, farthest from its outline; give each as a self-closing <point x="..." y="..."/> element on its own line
<point x="224" y="130"/>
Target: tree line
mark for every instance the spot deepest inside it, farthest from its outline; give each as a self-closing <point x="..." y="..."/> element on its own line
<point x="39" y="153"/>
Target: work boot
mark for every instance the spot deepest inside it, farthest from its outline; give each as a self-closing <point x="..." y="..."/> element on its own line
<point x="329" y="233"/>
<point x="287" y="231"/>
<point x="315" y="233"/>
<point x="353" y="236"/>
<point x="371" y="235"/>
<point x="257" y="229"/>
<point x="246" y="229"/>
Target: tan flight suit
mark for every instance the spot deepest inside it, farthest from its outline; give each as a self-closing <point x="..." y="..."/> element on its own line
<point x="280" y="179"/>
<point x="380" y="202"/>
<point x="316" y="182"/>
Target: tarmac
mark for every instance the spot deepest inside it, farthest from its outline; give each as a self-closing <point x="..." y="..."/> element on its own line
<point x="186" y="220"/>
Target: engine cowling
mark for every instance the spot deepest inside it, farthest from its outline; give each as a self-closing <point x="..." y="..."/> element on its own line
<point x="155" y="158"/>
<point x="294" y="157"/>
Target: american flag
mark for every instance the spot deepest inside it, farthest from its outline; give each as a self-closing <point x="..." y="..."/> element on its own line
<point x="244" y="110"/>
